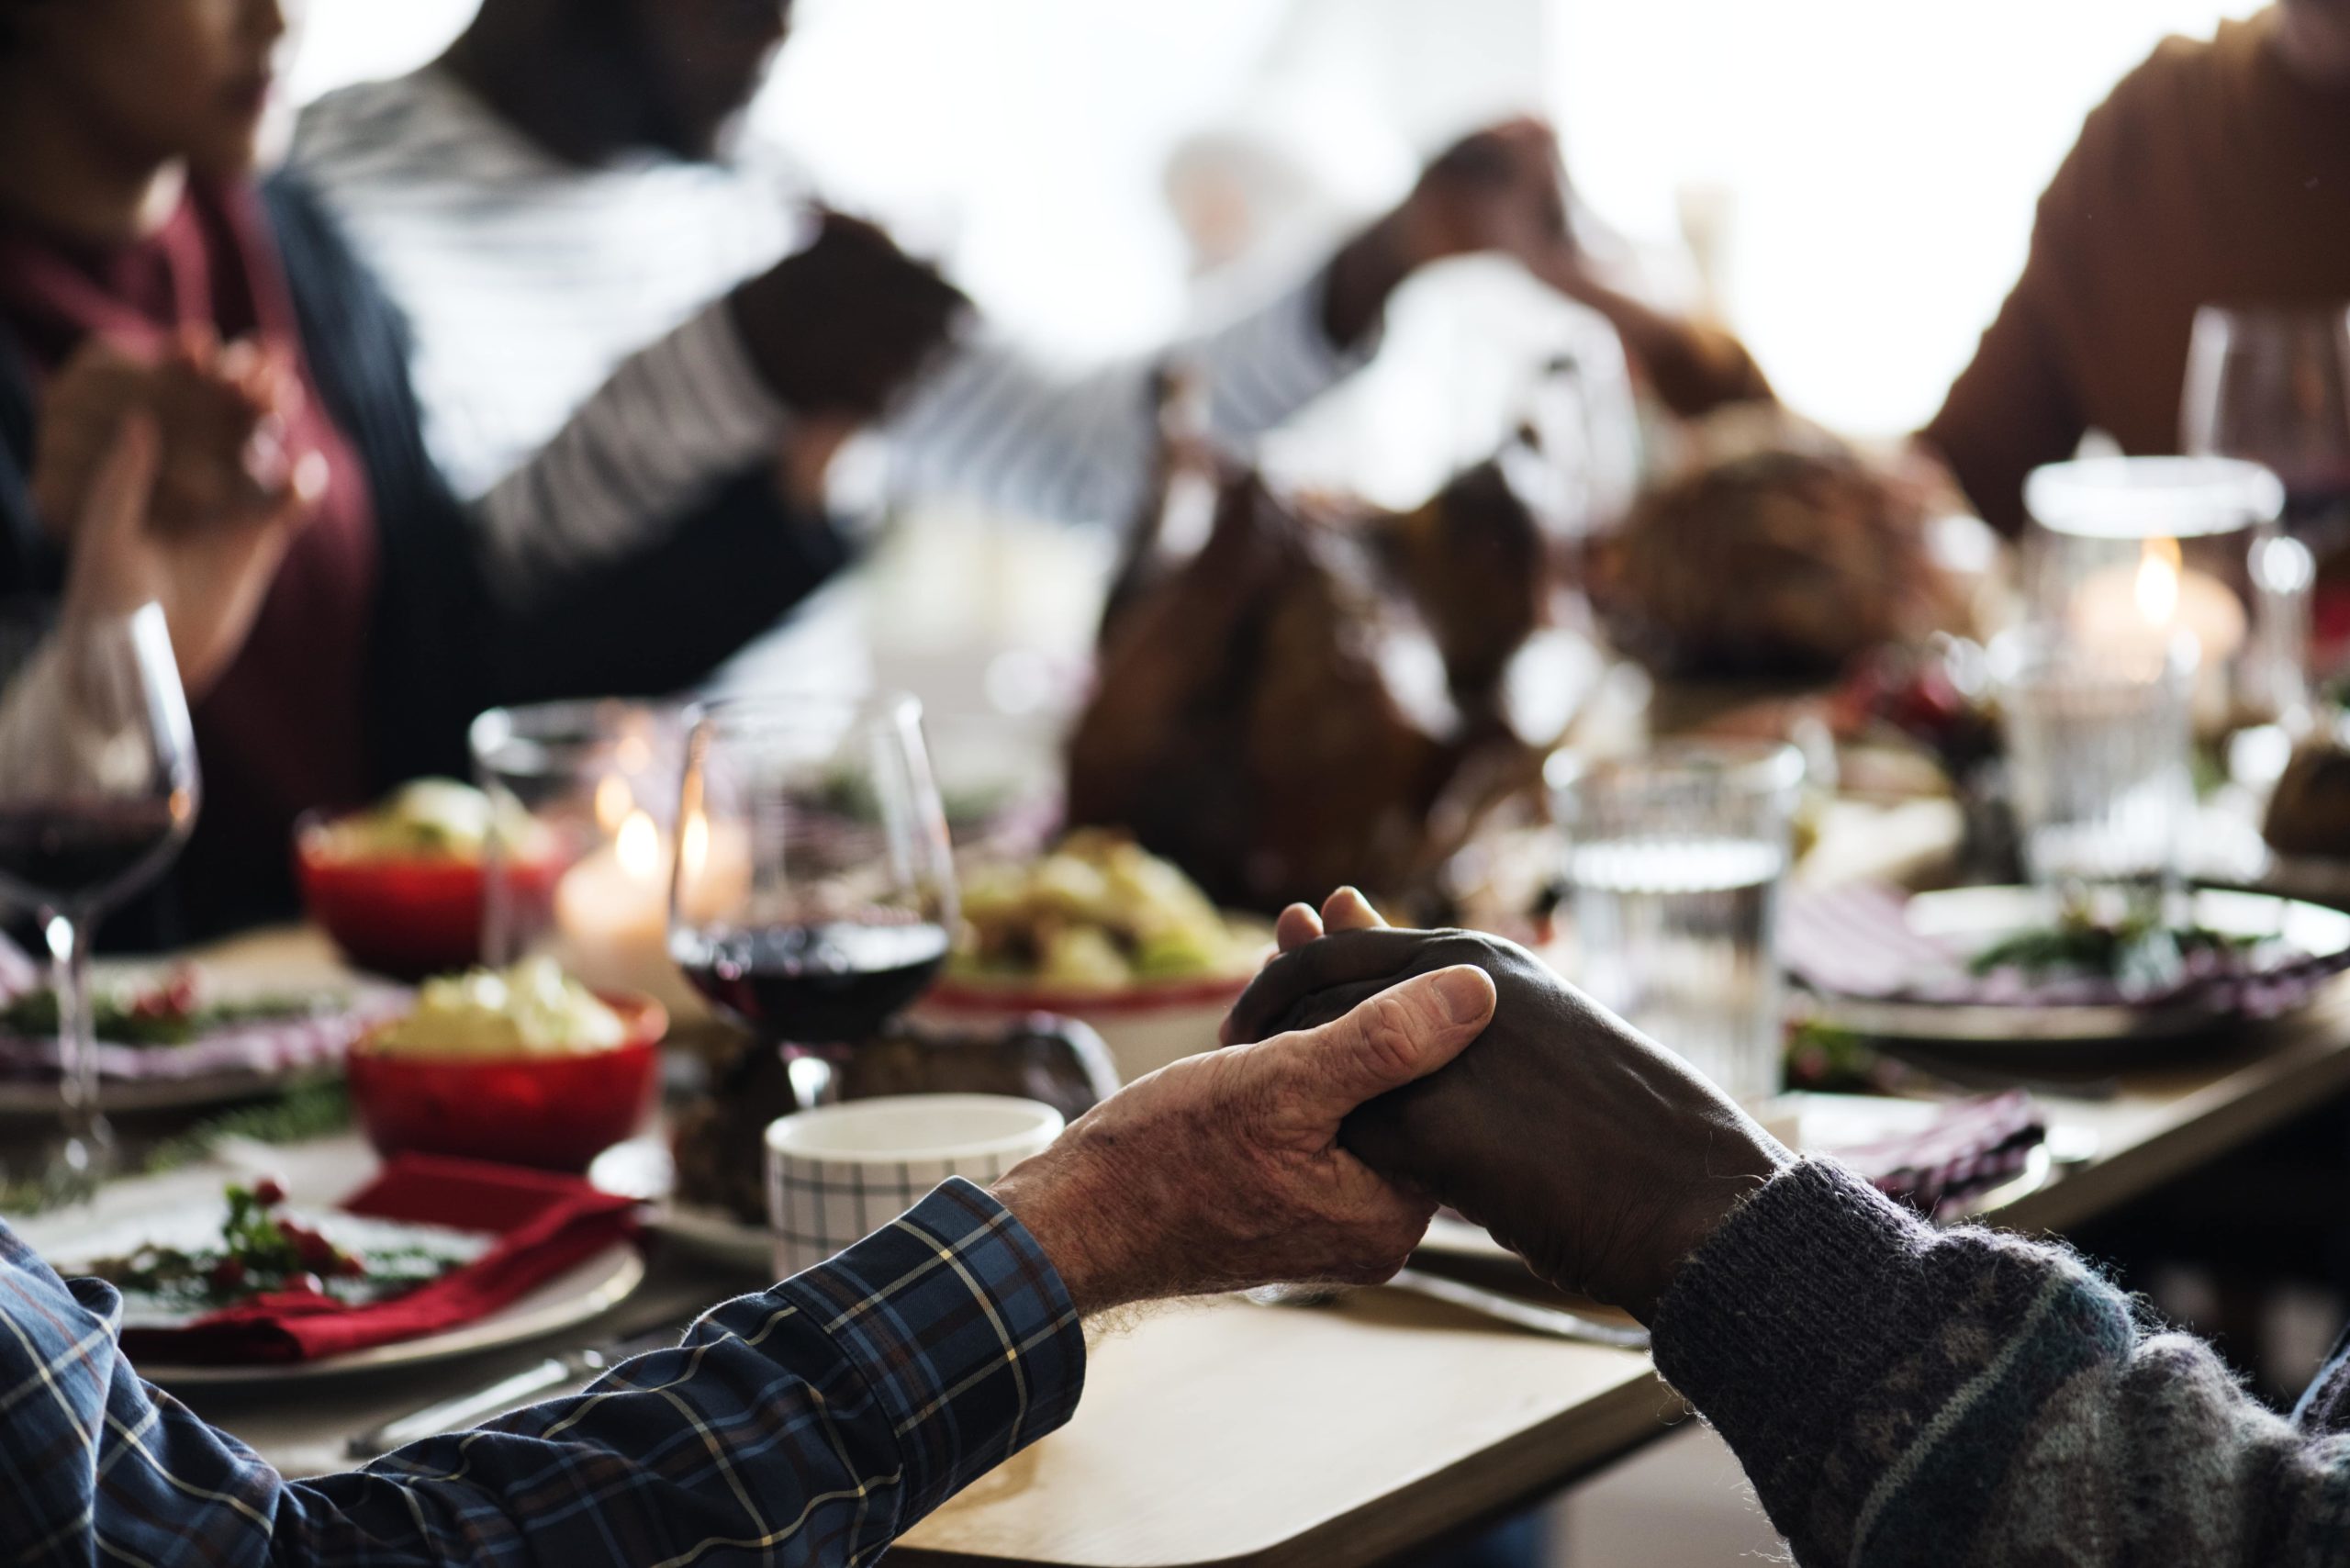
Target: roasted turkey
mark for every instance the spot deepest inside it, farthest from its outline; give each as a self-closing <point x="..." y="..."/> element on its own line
<point x="1309" y="695"/>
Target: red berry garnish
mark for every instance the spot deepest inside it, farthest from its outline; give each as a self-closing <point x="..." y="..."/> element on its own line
<point x="269" y="1192"/>
<point x="227" y="1274"/>
<point x="309" y="1283"/>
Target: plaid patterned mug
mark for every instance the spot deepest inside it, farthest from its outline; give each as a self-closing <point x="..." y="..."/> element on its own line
<point x="838" y="1172"/>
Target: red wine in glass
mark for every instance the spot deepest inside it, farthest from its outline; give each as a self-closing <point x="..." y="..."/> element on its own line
<point x="831" y="984"/>
<point x="814" y="895"/>
<point x="75" y="855"/>
<point x="98" y="787"/>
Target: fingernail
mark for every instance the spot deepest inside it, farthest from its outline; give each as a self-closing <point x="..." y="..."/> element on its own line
<point x="1466" y="993"/>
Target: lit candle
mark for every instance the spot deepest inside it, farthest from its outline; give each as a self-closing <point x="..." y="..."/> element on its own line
<point x="2126" y="605"/>
<point x="2136" y="606"/>
<point x="611" y="915"/>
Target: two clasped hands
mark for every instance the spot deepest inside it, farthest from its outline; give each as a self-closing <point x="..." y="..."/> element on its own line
<point x="1369" y="1075"/>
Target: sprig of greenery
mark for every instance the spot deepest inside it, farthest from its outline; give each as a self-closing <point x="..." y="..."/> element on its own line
<point x="299" y="1115"/>
<point x="2137" y="950"/>
<point x="125" y="1022"/>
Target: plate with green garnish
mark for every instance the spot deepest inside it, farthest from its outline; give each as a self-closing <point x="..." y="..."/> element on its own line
<point x="2003" y="966"/>
<point x="175" y="1037"/>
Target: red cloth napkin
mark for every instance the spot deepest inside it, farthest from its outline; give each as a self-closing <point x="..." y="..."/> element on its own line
<point x="546" y="1224"/>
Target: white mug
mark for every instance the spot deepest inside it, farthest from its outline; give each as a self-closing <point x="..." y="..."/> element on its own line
<point x="837" y="1174"/>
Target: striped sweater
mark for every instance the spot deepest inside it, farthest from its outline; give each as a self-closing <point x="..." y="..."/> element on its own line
<point x="1902" y="1395"/>
<point x="581" y="376"/>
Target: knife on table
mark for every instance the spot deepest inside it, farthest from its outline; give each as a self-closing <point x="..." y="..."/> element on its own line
<point x="471" y="1409"/>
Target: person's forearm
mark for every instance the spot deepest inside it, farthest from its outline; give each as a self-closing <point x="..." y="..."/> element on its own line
<point x="995" y="424"/>
<point x="1365" y="275"/>
<point x="1694" y="368"/>
<point x="672" y="425"/>
<point x="808" y="1425"/>
<point x="1902" y="1395"/>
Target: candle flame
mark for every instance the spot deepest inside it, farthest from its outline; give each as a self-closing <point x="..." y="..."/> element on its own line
<point x="2158" y="582"/>
<point x="614" y="801"/>
<point x="693" y="847"/>
<point x="638" y="848"/>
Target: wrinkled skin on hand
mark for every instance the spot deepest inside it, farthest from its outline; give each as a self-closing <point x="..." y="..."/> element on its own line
<point x="1224" y="1171"/>
<point x="1585" y="1148"/>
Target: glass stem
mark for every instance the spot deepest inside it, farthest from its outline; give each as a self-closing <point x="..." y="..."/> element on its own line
<point x="815" y="1076"/>
<point x="86" y="1133"/>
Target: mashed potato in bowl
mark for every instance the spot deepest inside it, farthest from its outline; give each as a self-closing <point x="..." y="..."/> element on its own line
<point x="532" y="1010"/>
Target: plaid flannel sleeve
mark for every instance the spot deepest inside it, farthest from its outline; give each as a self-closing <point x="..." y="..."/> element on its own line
<point x="810" y="1424"/>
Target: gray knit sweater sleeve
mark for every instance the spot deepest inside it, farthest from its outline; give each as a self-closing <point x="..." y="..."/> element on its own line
<point x="1900" y="1394"/>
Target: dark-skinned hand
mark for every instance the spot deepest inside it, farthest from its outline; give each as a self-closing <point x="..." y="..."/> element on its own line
<point x="839" y="328"/>
<point x="1585" y="1148"/>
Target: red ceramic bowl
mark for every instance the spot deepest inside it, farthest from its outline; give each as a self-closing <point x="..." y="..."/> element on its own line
<point x="552" y="1113"/>
<point x="408" y="918"/>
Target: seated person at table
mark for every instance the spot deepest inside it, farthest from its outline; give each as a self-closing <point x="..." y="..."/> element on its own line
<point x="1898" y="1394"/>
<point x="376" y="619"/>
<point x="566" y="184"/>
<point x="810" y="1424"/>
<point x="2214" y="174"/>
<point x="370" y="623"/>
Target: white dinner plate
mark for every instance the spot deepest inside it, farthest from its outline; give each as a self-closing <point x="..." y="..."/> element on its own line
<point x="1975" y="917"/>
<point x="583" y="1292"/>
<point x="32" y="1099"/>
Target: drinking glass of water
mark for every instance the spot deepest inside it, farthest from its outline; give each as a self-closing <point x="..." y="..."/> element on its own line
<point x="2100" y="743"/>
<point x="1674" y="862"/>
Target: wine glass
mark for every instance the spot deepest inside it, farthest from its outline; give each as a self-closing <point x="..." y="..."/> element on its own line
<point x="2271" y="382"/>
<point x="98" y="789"/>
<point x="814" y="892"/>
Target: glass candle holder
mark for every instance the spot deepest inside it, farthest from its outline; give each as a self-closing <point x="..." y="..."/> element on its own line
<point x="585" y="835"/>
<point x="2126" y="552"/>
<point x="2099" y="741"/>
<point x="1674" y="862"/>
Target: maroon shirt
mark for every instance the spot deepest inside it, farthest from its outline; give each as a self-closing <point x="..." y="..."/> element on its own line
<point x="284" y="731"/>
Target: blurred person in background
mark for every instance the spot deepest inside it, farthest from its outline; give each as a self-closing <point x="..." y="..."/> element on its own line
<point x="1237" y="193"/>
<point x="569" y="181"/>
<point x="338" y="619"/>
<point x="2217" y="172"/>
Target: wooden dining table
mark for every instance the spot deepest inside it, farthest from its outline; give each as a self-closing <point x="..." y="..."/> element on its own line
<point x="1344" y="1435"/>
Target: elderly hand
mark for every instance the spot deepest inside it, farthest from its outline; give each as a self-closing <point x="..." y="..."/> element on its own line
<point x="1224" y="1172"/>
<point x="839" y="328"/>
<point x="221" y="415"/>
<point x="1585" y="1148"/>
